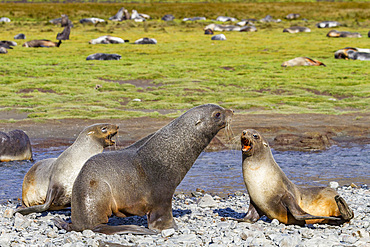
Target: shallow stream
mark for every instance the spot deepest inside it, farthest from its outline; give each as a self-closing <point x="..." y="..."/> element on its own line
<point x="221" y="172"/>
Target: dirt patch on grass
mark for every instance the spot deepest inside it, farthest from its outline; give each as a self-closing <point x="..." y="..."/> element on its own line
<point x="137" y="83"/>
<point x="337" y="96"/>
<point x="29" y="90"/>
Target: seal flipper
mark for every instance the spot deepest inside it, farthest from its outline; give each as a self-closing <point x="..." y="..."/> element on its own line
<point x="297" y="212"/>
<point x="133" y="229"/>
<point x="344" y="210"/>
<point x="252" y="214"/>
<point x="50" y="196"/>
<point x="106" y="229"/>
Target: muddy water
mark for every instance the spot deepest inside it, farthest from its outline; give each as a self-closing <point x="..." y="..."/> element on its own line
<point x="221" y="173"/>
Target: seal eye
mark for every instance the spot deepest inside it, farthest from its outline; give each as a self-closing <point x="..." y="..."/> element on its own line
<point x="104" y="129"/>
<point x="218" y="115"/>
<point x="256" y="136"/>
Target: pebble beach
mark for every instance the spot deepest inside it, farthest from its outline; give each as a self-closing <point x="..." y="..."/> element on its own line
<point x="202" y="219"/>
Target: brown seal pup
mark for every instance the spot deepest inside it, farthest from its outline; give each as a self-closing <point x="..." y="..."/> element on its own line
<point x="15" y="145"/>
<point x="48" y="184"/>
<point x="302" y="61"/>
<point x="274" y="195"/>
<point x="41" y="43"/>
<point x="142" y="180"/>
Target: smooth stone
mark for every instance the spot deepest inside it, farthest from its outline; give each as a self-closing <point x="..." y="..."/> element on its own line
<point x="207" y="201"/>
<point x="168" y="232"/>
<point x="334" y="185"/>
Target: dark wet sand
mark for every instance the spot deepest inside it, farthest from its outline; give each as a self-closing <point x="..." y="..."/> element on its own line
<point x="339" y="129"/>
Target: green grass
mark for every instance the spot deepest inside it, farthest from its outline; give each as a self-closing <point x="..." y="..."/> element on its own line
<point x="185" y="68"/>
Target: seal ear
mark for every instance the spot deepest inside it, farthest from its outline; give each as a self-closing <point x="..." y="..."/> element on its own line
<point x="265" y="144"/>
<point x="90" y="132"/>
<point x="198" y="122"/>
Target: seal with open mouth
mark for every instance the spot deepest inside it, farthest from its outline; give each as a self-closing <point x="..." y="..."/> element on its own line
<point x="274" y="195"/>
<point x="48" y="183"/>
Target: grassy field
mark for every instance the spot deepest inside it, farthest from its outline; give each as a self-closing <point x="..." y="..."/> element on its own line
<point x="186" y="68"/>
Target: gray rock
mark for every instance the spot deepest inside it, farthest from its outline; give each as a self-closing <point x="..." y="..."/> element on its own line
<point x="275" y="222"/>
<point x="8" y="213"/>
<point x="88" y="233"/>
<point x="207" y="201"/>
<point x="21" y="222"/>
<point x="334" y="185"/>
<point x="168" y="232"/>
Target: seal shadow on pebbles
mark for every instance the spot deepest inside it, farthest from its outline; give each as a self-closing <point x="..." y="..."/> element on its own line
<point x="272" y="194"/>
<point x="142" y="178"/>
<point x="48" y="183"/>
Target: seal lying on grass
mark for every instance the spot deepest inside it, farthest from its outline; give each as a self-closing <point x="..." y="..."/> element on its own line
<point x="343" y="53"/>
<point x="107" y="39"/>
<point x="302" y="61"/>
<point x="15" y="145"/>
<point x="274" y="195"/>
<point x="342" y="34"/>
<point x="48" y="184"/>
<point x="142" y="180"/>
<point x="296" y="29"/>
<point x="103" y="56"/>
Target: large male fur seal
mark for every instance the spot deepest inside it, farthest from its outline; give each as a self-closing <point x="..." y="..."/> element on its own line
<point x="142" y="180"/>
<point x="274" y="195"/>
<point x="48" y="184"/>
<point x="15" y="145"/>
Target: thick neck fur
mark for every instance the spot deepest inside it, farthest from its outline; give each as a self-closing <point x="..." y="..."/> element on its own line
<point x="172" y="150"/>
<point x="81" y="150"/>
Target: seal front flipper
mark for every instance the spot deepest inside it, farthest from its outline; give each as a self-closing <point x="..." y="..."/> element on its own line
<point x="297" y="212"/>
<point x="252" y="214"/>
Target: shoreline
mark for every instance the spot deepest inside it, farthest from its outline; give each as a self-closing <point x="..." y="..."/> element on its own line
<point x="296" y="132"/>
<point x="203" y="220"/>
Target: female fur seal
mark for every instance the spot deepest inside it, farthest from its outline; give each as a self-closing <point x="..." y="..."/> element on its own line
<point x="48" y="184"/>
<point x="274" y="195"/>
<point x="142" y="180"/>
<point x="15" y="145"/>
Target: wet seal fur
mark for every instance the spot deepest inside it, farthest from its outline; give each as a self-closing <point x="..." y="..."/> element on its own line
<point x="274" y="195"/>
<point x="141" y="179"/>
<point x="15" y="145"/>
<point x="48" y="183"/>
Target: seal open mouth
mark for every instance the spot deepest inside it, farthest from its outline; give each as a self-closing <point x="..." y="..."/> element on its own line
<point x="246" y="144"/>
<point x="109" y="140"/>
